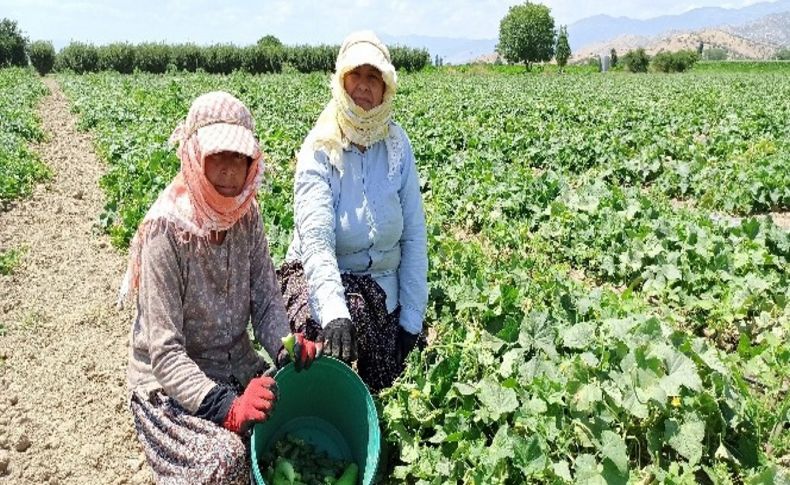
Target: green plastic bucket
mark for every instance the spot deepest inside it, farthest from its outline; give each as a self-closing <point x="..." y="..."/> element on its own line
<point x="327" y="406"/>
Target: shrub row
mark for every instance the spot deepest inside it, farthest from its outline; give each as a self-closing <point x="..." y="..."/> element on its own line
<point x="220" y="58"/>
<point x="638" y="61"/>
<point x="675" y="61"/>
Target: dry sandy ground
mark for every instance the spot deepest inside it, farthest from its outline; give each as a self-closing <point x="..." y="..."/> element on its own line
<point x="63" y="345"/>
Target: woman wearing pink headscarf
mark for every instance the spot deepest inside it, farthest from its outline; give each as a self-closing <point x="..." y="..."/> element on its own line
<point x="200" y="271"/>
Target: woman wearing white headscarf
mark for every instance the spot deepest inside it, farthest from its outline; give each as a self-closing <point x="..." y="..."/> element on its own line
<point x="356" y="271"/>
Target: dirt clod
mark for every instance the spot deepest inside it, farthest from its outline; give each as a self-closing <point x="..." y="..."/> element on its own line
<point x="5" y="460"/>
<point x="22" y="443"/>
<point x="135" y="464"/>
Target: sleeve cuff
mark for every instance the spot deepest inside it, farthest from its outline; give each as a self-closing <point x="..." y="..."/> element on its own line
<point x="333" y="310"/>
<point x="411" y="320"/>
<point x="216" y="404"/>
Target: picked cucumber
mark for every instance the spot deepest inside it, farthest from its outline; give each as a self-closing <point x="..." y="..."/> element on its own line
<point x="292" y="461"/>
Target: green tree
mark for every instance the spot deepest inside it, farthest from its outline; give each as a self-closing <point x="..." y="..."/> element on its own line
<point x="13" y="45"/>
<point x="636" y="61"/>
<point x="613" y="57"/>
<point x="78" y="57"/>
<point x="783" y="54"/>
<point x="118" y="56"/>
<point x="42" y="56"/>
<point x="269" y="41"/>
<point x="526" y="34"/>
<point x="715" y="54"/>
<point x="679" y="61"/>
<point x="563" y="47"/>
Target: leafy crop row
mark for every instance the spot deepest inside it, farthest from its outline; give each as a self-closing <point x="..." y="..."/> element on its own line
<point x="20" y="167"/>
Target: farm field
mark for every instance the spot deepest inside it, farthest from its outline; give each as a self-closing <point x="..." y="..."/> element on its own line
<point x="609" y="260"/>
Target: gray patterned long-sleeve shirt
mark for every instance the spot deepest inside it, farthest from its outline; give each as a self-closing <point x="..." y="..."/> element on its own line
<point x="193" y="307"/>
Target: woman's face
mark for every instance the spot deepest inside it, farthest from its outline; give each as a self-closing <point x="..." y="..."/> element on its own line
<point x="227" y="172"/>
<point x="365" y="85"/>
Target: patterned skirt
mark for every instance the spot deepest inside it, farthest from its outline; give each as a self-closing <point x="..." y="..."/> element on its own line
<point x="184" y="449"/>
<point x="377" y="353"/>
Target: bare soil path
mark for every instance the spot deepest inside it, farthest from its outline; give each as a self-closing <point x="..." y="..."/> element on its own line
<point x="63" y="345"/>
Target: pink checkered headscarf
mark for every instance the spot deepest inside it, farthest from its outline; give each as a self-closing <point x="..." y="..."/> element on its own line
<point x="190" y="205"/>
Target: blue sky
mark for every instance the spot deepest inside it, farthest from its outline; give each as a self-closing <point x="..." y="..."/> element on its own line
<point x="296" y="22"/>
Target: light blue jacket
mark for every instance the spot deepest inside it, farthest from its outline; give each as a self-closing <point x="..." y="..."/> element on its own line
<point x="367" y="219"/>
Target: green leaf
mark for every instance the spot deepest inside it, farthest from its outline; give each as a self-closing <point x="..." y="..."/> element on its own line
<point x="529" y="456"/>
<point x="393" y="411"/>
<point x="496" y="399"/>
<point x="750" y="227"/>
<point x="636" y="388"/>
<point x="536" y="405"/>
<point x="537" y="333"/>
<point x="502" y="444"/>
<point x="770" y="475"/>
<point x="681" y="371"/>
<point x="588" y="471"/>
<point x="613" y="447"/>
<point x="511" y="357"/>
<point x="612" y="475"/>
<point x="579" y="336"/>
<point x="686" y="438"/>
<point x="464" y="389"/>
<point x="586" y="396"/>
<point x="410" y="451"/>
<point x="562" y="470"/>
<point x="722" y="453"/>
<point x="671" y="272"/>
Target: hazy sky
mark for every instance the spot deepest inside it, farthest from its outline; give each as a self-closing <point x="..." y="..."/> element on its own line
<point x="294" y="22"/>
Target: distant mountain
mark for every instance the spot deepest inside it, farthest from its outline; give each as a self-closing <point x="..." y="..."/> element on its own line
<point x="737" y="47"/>
<point x="600" y="28"/>
<point x="759" y="39"/>
<point x="771" y="29"/>
<point x="451" y="50"/>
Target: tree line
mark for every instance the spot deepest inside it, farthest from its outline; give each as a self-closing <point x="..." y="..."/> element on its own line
<point x="268" y="55"/>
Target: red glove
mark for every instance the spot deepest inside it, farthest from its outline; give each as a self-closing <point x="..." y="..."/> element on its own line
<point x="305" y="352"/>
<point x="253" y="406"/>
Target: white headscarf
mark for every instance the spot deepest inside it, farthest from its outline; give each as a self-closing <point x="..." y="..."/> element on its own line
<point x="343" y="122"/>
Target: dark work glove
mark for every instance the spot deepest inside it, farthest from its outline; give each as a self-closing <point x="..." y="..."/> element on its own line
<point x="339" y="340"/>
<point x="406" y="343"/>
